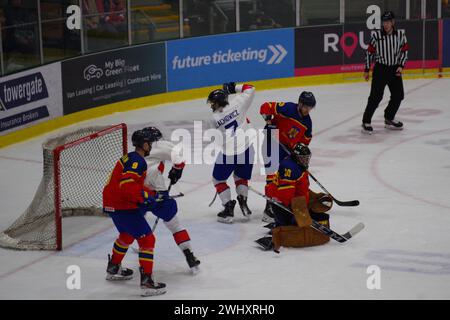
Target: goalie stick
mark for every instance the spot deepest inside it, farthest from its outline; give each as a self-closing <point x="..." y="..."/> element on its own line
<point x="316" y="225"/>
<point x="351" y="203"/>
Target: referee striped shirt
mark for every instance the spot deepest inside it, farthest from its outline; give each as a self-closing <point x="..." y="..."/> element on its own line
<point x="387" y="49"/>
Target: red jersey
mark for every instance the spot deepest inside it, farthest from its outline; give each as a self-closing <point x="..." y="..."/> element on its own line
<point x="125" y="186"/>
<point x="292" y="181"/>
<point x="293" y="127"/>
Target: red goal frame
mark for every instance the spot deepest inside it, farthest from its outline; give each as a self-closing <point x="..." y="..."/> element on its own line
<point x="57" y="170"/>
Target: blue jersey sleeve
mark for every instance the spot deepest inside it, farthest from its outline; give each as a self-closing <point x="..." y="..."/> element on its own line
<point x="133" y="163"/>
<point x="287" y="109"/>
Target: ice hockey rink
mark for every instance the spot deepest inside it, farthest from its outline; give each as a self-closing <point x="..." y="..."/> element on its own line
<point x="401" y="178"/>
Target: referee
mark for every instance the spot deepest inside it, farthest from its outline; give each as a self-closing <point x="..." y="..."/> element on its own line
<point x="389" y="48"/>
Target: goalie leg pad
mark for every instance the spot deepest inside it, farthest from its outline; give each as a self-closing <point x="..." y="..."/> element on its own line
<point x="319" y="202"/>
<point x="300" y="210"/>
<point x="298" y="237"/>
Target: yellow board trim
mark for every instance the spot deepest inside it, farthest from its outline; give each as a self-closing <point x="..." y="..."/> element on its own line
<point x="178" y="96"/>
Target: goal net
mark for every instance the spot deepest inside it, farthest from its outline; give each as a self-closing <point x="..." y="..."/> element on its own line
<point x="76" y="168"/>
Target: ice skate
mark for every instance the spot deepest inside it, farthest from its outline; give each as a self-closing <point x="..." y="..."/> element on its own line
<point x="244" y="208"/>
<point x="192" y="261"/>
<point x="150" y="287"/>
<point x="393" y="125"/>
<point x="265" y="243"/>
<point x="268" y="215"/>
<point x="115" y="272"/>
<point x="367" y="128"/>
<point x="227" y="214"/>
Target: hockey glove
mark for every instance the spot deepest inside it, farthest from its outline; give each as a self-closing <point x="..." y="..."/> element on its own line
<point x="229" y="87"/>
<point x="149" y="203"/>
<point x="162" y="195"/>
<point x="175" y="174"/>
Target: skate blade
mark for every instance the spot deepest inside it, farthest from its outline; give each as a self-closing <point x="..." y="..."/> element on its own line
<point x="152" y="292"/>
<point x="195" y="270"/>
<point x="393" y="128"/>
<point x="115" y="277"/>
<point x="366" y="132"/>
<point x="228" y="220"/>
<point x="267" y="219"/>
<point x="262" y="247"/>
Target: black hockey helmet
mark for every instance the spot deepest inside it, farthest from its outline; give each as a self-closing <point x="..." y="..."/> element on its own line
<point x="307" y="98"/>
<point x="217" y="98"/>
<point x="154" y="133"/>
<point x="387" y="15"/>
<point x="147" y="134"/>
<point x="302" y="154"/>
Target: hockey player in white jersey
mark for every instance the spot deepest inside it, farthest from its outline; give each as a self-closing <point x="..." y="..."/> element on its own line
<point x="237" y="153"/>
<point x="163" y="150"/>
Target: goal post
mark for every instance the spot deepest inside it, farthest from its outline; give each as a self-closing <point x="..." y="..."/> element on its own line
<point x="76" y="166"/>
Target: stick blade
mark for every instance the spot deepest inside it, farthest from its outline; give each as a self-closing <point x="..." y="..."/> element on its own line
<point x="352" y="203"/>
<point x="353" y="231"/>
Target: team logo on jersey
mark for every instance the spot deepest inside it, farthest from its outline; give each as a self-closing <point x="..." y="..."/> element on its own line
<point x="292" y="133"/>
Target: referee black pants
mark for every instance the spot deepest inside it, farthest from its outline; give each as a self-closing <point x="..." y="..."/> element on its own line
<point x="384" y="75"/>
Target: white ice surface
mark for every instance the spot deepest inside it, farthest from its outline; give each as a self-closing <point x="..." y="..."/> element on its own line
<point x="402" y="180"/>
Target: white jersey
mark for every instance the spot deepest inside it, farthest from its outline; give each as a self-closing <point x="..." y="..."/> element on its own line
<point x="161" y="151"/>
<point x="233" y="123"/>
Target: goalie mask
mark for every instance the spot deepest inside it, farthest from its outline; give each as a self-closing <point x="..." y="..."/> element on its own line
<point x="302" y="154"/>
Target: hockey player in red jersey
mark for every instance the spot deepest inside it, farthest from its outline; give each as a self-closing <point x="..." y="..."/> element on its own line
<point x="294" y="126"/>
<point x="292" y="190"/>
<point x="126" y="200"/>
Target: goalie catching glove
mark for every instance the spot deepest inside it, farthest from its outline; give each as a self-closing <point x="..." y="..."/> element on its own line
<point x="319" y="202"/>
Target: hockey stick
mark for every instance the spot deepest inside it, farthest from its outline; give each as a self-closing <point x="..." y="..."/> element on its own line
<point x="136" y="250"/>
<point x="157" y="219"/>
<point x="316" y="225"/>
<point x="214" y="199"/>
<point x="351" y="203"/>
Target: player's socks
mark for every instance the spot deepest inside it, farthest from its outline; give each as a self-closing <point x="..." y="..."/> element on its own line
<point x="149" y="287"/>
<point x="120" y="247"/>
<point x="223" y="190"/>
